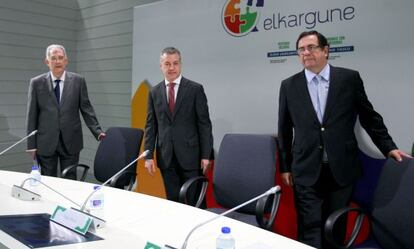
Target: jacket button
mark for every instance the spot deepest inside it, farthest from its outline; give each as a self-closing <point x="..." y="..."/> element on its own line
<point x="320" y="147"/>
<point x="323" y="129"/>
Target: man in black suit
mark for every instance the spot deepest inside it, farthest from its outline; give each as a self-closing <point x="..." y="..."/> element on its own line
<point x="318" y="108"/>
<point x="55" y="101"/>
<point x="178" y="125"/>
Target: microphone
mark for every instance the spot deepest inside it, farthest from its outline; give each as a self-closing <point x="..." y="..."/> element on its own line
<point x="18" y="142"/>
<point x="99" y="223"/>
<point x="19" y="192"/>
<point x="271" y="191"/>
<point x="143" y="154"/>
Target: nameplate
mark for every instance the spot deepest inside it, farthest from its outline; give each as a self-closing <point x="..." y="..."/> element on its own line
<point x="75" y="221"/>
<point x="150" y="245"/>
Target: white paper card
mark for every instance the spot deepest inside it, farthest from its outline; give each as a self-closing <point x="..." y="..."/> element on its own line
<point x="71" y="219"/>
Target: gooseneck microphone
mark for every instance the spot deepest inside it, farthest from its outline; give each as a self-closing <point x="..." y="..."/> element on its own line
<point x="97" y="221"/>
<point x="25" y="194"/>
<point x="22" y="193"/>
<point x="143" y="154"/>
<point x="18" y="142"/>
<point x="271" y="191"/>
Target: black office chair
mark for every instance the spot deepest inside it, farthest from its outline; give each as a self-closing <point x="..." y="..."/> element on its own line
<point x="245" y="167"/>
<point x="391" y="217"/>
<point x="120" y="147"/>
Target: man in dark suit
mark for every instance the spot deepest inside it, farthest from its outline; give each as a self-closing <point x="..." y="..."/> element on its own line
<point x="54" y="102"/>
<point x="178" y="126"/>
<point x="318" y="108"/>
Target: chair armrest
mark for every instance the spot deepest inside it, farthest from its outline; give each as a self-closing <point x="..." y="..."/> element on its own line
<point x="132" y="177"/>
<point x="182" y="197"/>
<point x="332" y="219"/>
<point x="262" y="207"/>
<point x="74" y="167"/>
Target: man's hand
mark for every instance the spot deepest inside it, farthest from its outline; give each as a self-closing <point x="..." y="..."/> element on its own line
<point x="287" y="179"/>
<point x="398" y="155"/>
<point x="32" y="153"/>
<point x="150" y="166"/>
<point x="101" y="136"/>
<point x="205" y="165"/>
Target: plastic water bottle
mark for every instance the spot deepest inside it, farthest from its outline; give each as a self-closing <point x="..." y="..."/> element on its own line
<point x="225" y="240"/>
<point x="35" y="173"/>
<point x="97" y="199"/>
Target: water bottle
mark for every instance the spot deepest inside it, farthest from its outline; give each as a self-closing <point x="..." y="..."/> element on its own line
<point x="225" y="240"/>
<point x="97" y="199"/>
<point x="35" y="173"/>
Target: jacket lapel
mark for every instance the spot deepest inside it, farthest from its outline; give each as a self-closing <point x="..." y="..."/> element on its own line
<point x="332" y="94"/>
<point x="182" y="91"/>
<point x="50" y="89"/>
<point x="164" y="100"/>
<point x="68" y="86"/>
<point x="66" y="89"/>
<point x="304" y="96"/>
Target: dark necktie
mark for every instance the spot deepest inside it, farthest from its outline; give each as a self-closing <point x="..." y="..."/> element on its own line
<point x="171" y="96"/>
<point x="57" y="91"/>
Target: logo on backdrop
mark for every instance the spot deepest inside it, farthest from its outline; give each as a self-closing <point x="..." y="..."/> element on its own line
<point x="240" y="17"/>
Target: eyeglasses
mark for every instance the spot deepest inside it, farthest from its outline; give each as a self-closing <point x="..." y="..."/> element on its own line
<point x="55" y="59"/>
<point x="310" y="48"/>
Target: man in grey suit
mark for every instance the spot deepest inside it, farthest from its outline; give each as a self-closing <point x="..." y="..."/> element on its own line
<point x="54" y="102"/>
<point x="178" y="124"/>
<point x="318" y="108"/>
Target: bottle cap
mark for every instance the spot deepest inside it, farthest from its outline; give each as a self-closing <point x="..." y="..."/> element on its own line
<point x="96" y="187"/>
<point x="35" y="167"/>
<point x="225" y="230"/>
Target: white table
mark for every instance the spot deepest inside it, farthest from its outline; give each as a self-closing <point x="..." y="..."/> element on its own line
<point x="132" y="219"/>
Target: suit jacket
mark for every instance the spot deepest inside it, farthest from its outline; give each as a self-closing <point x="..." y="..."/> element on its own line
<point x="44" y="114"/>
<point x="187" y="132"/>
<point x="302" y="137"/>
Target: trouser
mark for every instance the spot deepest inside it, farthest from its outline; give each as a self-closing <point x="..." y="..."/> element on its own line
<point x="315" y="203"/>
<point x="49" y="164"/>
<point x="175" y="176"/>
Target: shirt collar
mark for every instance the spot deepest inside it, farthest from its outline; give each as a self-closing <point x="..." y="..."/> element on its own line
<point x="62" y="78"/>
<point x="176" y="81"/>
<point x="325" y="73"/>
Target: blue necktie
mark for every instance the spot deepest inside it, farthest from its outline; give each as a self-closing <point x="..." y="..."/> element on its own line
<point x="57" y="91"/>
<point x="318" y="99"/>
<point x="319" y="110"/>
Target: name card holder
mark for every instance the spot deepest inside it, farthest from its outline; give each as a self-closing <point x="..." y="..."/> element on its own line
<point x="76" y="221"/>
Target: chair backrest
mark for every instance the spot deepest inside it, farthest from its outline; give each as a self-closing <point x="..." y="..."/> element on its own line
<point x="393" y="205"/>
<point x="245" y="167"/>
<point x="120" y="147"/>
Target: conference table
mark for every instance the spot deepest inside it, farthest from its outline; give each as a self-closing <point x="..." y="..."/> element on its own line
<point x="133" y="219"/>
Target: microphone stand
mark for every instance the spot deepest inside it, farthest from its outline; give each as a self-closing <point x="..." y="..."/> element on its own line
<point x="24" y="194"/>
<point x="18" y="191"/>
<point x="273" y="190"/>
<point x="18" y="142"/>
<point x="98" y="222"/>
<point x="144" y="154"/>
